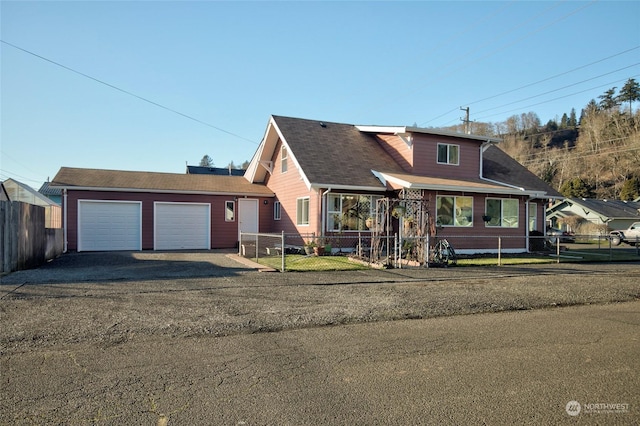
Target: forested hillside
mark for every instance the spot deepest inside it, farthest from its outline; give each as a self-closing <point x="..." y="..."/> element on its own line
<point x="595" y="155"/>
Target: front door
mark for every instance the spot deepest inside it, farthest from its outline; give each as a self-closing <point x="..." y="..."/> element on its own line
<point x="247" y="216"/>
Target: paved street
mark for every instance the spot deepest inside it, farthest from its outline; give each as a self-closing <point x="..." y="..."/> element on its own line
<point x="198" y="339"/>
<point x="513" y="367"/>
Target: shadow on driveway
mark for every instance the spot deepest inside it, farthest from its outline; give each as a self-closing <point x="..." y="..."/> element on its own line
<point x="130" y="266"/>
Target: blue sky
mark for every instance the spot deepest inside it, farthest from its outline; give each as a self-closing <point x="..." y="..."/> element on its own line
<point x="218" y="70"/>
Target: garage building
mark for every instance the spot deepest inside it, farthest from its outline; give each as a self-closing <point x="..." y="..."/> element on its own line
<point x="106" y="210"/>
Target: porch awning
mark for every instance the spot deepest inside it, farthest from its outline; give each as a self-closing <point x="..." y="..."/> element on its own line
<point x="409" y="181"/>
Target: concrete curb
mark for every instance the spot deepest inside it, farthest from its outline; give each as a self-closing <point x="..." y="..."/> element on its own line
<point x="250" y="264"/>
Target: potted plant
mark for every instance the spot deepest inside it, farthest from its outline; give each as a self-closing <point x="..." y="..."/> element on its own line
<point x="309" y="247"/>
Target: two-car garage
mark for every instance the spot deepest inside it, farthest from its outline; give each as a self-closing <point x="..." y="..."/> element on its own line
<point x="117" y="225"/>
<point x="108" y="210"/>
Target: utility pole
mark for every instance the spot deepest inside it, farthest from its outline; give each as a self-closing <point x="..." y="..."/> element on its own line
<point x="466" y="121"/>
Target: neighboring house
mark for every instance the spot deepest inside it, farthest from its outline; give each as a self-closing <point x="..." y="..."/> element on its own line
<point x="615" y="214"/>
<point x="54" y="194"/>
<point x="220" y="171"/>
<point x="321" y="171"/>
<point x="125" y="210"/>
<point x="18" y="191"/>
<point x="313" y="177"/>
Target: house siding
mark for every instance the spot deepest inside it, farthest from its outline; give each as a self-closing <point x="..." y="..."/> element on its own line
<point x="425" y="158"/>
<point x="399" y="151"/>
<point x="289" y="187"/>
<point x="479" y="236"/>
<point x="223" y="234"/>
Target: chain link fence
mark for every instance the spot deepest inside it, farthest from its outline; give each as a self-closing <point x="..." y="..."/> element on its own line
<point x="306" y="252"/>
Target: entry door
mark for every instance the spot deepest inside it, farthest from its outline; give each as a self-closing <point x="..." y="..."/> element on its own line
<point x="247" y="215"/>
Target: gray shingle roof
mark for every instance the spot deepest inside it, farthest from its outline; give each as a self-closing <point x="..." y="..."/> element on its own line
<point x="499" y="166"/>
<point x="613" y="209"/>
<point x="335" y="153"/>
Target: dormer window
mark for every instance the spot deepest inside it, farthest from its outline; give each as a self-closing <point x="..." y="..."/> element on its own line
<point x="283" y="159"/>
<point x="448" y="154"/>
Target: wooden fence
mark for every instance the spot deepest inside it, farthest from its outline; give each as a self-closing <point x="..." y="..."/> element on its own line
<point x="24" y="241"/>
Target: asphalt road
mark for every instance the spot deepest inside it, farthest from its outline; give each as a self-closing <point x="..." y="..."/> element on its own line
<point x="197" y="339"/>
<point x="504" y="368"/>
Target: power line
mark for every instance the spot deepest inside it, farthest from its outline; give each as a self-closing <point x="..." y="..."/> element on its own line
<point x="559" y="97"/>
<point x="129" y="93"/>
<point x="508" y="44"/>
<point x="560" y="88"/>
<point x="553" y="76"/>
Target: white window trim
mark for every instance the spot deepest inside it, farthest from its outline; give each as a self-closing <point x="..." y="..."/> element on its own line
<point x="277" y="211"/>
<point x="284" y="156"/>
<point x="298" y="212"/>
<point x="226" y="209"/>
<point x="502" y="200"/>
<point x="455" y="197"/>
<point x="372" y="203"/>
<point x="448" y="145"/>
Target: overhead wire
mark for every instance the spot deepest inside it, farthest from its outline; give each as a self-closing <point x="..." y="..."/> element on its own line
<point x="529" y="34"/>
<point x="127" y="92"/>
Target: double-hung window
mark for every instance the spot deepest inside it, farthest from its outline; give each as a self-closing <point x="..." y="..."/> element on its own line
<point x="533" y="216"/>
<point x="454" y="211"/>
<point x="284" y="155"/>
<point x="349" y="212"/>
<point x="448" y="154"/>
<point x="277" y="212"/>
<point x="302" y="211"/>
<point x="502" y="212"/>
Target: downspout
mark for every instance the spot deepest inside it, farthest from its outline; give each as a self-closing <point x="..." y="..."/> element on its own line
<point x="64" y="213"/>
<point x="324" y="210"/>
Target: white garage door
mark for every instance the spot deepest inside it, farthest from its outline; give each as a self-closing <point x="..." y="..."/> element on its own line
<point x="182" y="226"/>
<point x="109" y="225"/>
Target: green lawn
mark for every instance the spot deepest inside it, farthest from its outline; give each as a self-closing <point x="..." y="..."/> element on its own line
<point x="301" y="263"/>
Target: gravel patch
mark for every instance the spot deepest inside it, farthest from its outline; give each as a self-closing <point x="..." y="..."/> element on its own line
<point x="110" y="299"/>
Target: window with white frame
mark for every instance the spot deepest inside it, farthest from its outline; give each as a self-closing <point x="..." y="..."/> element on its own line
<point x="448" y="154"/>
<point x="276" y="211"/>
<point x="502" y="212"/>
<point x="349" y="212"/>
<point x="533" y="216"/>
<point x="283" y="159"/>
<point x="229" y="211"/>
<point x="302" y="211"/>
<point x="454" y="211"/>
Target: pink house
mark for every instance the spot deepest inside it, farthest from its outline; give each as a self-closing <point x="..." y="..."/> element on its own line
<point x="312" y="177"/>
<point x="320" y="171"/>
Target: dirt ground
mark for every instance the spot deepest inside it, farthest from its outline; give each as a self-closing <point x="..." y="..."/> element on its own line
<point x="112" y="298"/>
<point x="137" y="300"/>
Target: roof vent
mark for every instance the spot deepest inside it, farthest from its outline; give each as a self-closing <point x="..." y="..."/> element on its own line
<point x="322" y="124"/>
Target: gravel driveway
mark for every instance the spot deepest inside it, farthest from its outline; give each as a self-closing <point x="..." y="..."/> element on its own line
<point x="110" y="338"/>
<point x="108" y="298"/>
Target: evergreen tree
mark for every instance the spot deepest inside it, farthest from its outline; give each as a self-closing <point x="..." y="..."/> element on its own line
<point x="576" y="188"/>
<point x="609" y="100"/>
<point x="630" y="189"/>
<point x="206" y="161"/>
<point x="573" y="122"/>
<point x="630" y="92"/>
<point x="564" y="121"/>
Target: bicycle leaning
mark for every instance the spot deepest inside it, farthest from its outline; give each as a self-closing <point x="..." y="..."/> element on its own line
<point x="444" y="254"/>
